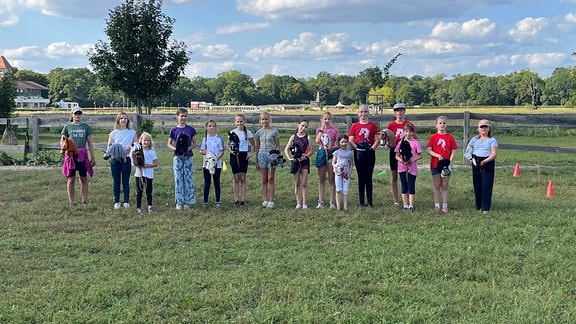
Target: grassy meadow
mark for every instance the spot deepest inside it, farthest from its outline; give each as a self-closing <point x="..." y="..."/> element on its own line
<point x="63" y="264"/>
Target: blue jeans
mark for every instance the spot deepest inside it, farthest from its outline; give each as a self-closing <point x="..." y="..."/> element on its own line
<point x="121" y="174"/>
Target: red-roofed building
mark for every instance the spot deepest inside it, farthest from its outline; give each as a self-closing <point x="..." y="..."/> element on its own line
<point x="4" y="66"/>
<point x="29" y="94"/>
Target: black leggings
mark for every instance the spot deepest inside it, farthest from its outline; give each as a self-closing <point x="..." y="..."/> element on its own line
<point x="365" y="162"/>
<point x="208" y="181"/>
<point x="141" y="183"/>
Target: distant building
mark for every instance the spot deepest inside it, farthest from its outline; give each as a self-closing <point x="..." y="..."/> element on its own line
<point x="4" y="66"/>
<point x="29" y="95"/>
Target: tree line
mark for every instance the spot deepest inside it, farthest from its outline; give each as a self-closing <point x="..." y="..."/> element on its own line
<point x="236" y="88"/>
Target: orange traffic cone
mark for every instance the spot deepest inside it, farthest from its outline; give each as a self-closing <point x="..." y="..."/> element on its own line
<point x="516" y="170"/>
<point x="550" y="191"/>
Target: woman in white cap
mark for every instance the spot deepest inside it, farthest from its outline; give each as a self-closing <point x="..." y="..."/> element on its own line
<point x="484" y="151"/>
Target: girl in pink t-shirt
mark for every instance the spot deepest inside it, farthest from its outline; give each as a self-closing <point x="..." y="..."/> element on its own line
<point x="408" y="151"/>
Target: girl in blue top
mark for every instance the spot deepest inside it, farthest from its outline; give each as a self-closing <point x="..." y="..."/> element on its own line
<point x="484" y="149"/>
<point x="212" y="147"/>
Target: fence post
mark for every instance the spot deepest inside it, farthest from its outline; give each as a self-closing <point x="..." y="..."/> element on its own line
<point x="348" y="123"/>
<point x="35" y="135"/>
<point x="466" y="133"/>
<point x="136" y="123"/>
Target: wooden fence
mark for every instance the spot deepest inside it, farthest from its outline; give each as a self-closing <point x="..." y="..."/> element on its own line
<point x="31" y="125"/>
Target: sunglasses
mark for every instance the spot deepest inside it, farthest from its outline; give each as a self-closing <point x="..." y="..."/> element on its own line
<point x="484" y="126"/>
<point x="78" y="113"/>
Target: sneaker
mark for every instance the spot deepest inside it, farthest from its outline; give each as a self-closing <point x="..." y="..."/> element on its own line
<point x="84" y="203"/>
<point x="178" y="206"/>
<point x="411" y="208"/>
<point x="186" y="206"/>
<point x="298" y="206"/>
<point x="72" y="204"/>
<point x="445" y="210"/>
<point x="304" y="206"/>
<point x="320" y="204"/>
<point x="218" y="204"/>
<point x="396" y="204"/>
<point x="270" y="204"/>
<point x="485" y="213"/>
<point x="437" y="209"/>
<point x="117" y="206"/>
<point x="264" y="203"/>
<point x="139" y="211"/>
<point x="150" y="211"/>
<point x="242" y="203"/>
<point x="205" y="204"/>
<point x="237" y="203"/>
<point x="332" y="205"/>
<point x="126" y="205"/>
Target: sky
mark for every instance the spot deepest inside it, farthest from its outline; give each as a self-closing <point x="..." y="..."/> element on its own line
<point x="302" y="38"/>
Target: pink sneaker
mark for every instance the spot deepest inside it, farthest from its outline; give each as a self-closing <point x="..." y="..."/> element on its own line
<point x="445" y="210"/>
<point x="304" y="206"/>
<point x="298" y="206"/>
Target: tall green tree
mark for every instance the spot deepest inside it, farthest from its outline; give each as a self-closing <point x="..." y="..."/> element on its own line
<point x="141" y="60"/>
<point x="72" y="84"/>
<point x="7" y="95"/>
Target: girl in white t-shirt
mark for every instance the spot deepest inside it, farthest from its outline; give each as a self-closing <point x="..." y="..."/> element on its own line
<point x="144" y="175"/>
<point x="342" y="163"/>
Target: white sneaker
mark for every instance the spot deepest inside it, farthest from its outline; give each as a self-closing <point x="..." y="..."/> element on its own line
<point x="117" y="206"/>
<point x="332" y="206"/>
<point x="126" y="205"/>
<point x="186" y="206"/>
<point x="264" y="203"/>
<point x="178" y="206"/>
<point x="270" y="204"/>
<point x="320" y="204"/>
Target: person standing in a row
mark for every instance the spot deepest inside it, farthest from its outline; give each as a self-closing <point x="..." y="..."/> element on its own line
<point x="121" y="169"/>
<point x="363" y="137"/>
<point x="485" y="149"/>
<point x="397" y="128"/>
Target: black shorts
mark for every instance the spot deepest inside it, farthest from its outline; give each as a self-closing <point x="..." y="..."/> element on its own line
<point x="239" y="163"/>
<point x="393" y="161"/>
<point x="81" y="168"/>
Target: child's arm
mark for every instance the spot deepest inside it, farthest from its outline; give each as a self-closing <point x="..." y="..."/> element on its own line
<point x="192" y="143"/>
<point x="152" y="165"/>
<point x="203" y="147"/>
<point x="287" y="149"/>
<point x="309" y="149"/>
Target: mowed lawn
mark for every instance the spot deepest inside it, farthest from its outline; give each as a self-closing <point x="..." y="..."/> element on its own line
<point x="64" y="264"/>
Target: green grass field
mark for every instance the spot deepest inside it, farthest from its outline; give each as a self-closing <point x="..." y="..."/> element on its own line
<point x="62" y="264"/>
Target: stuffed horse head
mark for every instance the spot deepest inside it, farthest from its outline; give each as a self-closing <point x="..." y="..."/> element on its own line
<point x="138" y="157"/>
<point x="69" y="147"/>
<point x="325" y="138"/>
<point x="387" y="138"/>
<point x="234" y="141"/>
<point x="115" y="152"/>
<point x="211" y="161"/>
<point x="405" y="150"/>
<point x="182" y="144"/>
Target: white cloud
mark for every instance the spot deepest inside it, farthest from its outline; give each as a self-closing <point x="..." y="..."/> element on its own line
<point x="240" y="27"/>
<point x="60" y="49"/>
<point x="217" y="51"/>
<point x="368" y="11"/>
<point x="528" y="28"/>
<point x="472" y="29"/>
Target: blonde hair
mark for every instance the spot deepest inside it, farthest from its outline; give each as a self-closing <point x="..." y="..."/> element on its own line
<point x="117" y="122"/>
<point x="146" y="135"/>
